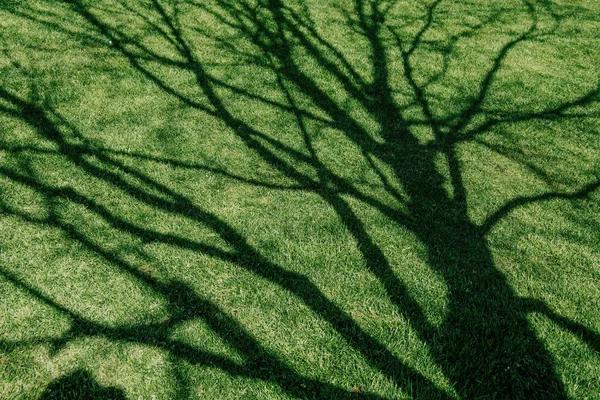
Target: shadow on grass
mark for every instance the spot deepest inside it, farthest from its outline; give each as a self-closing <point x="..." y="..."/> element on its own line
<point x="485" y="346"/>
<point x="80" y="384"/>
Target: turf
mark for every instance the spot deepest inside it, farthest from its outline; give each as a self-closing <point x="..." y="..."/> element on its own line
<point x="231" y="199"/>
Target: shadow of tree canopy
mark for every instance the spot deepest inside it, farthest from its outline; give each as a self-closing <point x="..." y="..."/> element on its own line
<point x="80" y="385"/>
<point x="485" y="346"/>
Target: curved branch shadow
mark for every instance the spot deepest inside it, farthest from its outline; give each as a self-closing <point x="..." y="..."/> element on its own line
<point x="513" y="204"/>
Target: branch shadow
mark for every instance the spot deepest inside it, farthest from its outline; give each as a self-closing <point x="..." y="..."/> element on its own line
<point x="184" y="303"/>
<point x="485" y="346"/>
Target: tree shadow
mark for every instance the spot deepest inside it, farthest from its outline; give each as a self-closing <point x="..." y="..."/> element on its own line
<point x="184" y="303"/>
<point x="80" y="384"/>
<point x="485" y="346"/>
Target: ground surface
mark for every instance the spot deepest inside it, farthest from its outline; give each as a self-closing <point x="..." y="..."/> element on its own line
<point x="230" y="199"/>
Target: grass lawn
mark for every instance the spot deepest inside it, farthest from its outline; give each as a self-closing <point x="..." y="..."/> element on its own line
<point x="320" y="199"/>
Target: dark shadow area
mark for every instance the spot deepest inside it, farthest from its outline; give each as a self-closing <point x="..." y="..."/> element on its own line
<point x="80" y="384"/>
<point x="485" y="346"/>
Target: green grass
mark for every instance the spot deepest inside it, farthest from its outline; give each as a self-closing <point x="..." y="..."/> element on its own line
<point x="230" y="199"/>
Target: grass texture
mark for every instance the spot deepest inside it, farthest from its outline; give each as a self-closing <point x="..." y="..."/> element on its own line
<point x="275" y="199"/>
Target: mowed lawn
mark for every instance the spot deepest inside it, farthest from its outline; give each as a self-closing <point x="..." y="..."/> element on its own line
<point x="320" y="199"/>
